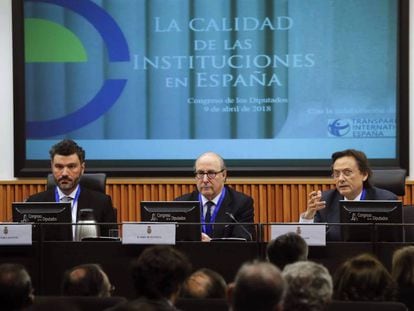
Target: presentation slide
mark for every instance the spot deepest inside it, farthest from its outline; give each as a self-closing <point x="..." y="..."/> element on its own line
<point x="252" y="80"/>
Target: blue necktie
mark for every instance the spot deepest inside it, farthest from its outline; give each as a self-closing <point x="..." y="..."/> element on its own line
<point x="209" y="226"/>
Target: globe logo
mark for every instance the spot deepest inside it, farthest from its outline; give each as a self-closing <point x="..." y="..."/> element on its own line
<point x="69" y="48"/>
<point x="339" y="128"/>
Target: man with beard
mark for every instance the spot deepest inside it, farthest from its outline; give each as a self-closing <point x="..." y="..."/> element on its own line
<point x="220" y="203"/>
<point x="68" y="165"/>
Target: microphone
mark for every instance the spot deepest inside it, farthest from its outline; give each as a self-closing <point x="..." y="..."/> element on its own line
<point x="241" y="226"/>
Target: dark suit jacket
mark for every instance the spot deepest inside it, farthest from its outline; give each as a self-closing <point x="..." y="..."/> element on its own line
<point x="100" y="203"/>
<point x="330" y="214"/>
<point x="236" y="203"/>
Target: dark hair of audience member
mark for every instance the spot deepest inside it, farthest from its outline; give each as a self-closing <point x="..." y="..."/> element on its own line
<point x="403" y="266"/>
<point x="159" y="272"/>
<point x="204" y="284"/>
<point x="16" y="291"/>
<point x="287" y="248"/>
<point x="403" y="274"/>
<point x="309" y="286"/>
<point x="86" y="280"/>
<point x="257" y="286"/>
<point x="363" y="278"/>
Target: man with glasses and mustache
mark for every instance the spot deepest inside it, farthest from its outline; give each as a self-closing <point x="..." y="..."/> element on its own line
<point x="68" y="164"/>
<point x="220" y="203"/>
<point x="351" y="172"/>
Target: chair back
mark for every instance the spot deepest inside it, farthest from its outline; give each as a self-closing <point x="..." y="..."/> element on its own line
<point x="392" y="180"/>
<point x="408" y="219"/>
<point x="92" y="181"/>
<point x="337" y="305"/>
<point x="199" y="304"/>
<point x="80" y="303"/>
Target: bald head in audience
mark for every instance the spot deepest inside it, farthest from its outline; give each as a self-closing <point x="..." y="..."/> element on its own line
<point x="257" y="286"/>
<point x="204" y="283"/>
<point x="86" y="280"/>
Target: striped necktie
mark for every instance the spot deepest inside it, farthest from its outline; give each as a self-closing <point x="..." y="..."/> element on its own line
<point x="66" y="199"/>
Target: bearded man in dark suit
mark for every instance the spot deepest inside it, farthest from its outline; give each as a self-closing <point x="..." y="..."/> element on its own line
<point x="68" y="165"/>
<point x="220" y="203"/>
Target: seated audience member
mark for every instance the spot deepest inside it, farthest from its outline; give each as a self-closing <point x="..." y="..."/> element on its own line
<point x="287" y="248"/>
<point x="68" y="165"/>
<point x="351" y="173"/>
<point x="309" y="287"/>
<point x="16" y="291"/>
<point x="403" y="274"/>
<point x="204" y="284"/>
<point x="363" y="278"/>
<point x="257" y="286"/>
<point x="86" y="280"/>
<point x="158" y="275"/>
<point x="220" y="203"/>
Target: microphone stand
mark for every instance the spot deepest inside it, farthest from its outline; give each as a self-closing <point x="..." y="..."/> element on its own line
<point x="242" y="226"/>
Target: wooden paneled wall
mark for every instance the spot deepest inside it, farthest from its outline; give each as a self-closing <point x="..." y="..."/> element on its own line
<point x="276" y="199"/>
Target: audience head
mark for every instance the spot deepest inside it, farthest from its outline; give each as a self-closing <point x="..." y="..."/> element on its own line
<point x="86" y="280"/>
<point x="287" y="248"/>
<point x="403" y="266"/>
<point x="159" y="272"/>
<point x="68" y="164"/>
<point x="257" y="286"/>
<point x="363" y="278"/>
<point x="351" y="171"/>
<point x="204" y="283"/>
<point x="309" y="287"/>
<point x="210" y="172"/>
<point x="16" y="291"/>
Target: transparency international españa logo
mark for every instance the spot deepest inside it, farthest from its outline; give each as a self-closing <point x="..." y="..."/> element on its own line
<point x="363" y="127"/>
<point x="339" y="127"/>
<point x="68" y="48"/>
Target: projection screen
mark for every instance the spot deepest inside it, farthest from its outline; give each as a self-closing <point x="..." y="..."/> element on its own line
<point x="274" y="86"/>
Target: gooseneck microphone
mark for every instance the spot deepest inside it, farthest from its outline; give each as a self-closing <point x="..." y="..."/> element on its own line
<point x="242" y="226"/>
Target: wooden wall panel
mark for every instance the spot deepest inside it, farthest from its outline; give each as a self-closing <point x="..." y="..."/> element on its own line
<point x="276" y="200"/>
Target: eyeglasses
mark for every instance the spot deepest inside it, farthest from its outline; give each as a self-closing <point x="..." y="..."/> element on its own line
<point x="210" y="174"/>
<point x="345" y="173"/>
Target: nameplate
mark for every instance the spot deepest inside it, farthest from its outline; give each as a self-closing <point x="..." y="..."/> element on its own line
<point x="148" y="233"/>
<point x="313" y="234"/>
<point x="15" y="234"/>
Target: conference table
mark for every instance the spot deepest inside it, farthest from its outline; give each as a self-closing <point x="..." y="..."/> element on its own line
<point x="47" y="261"/>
